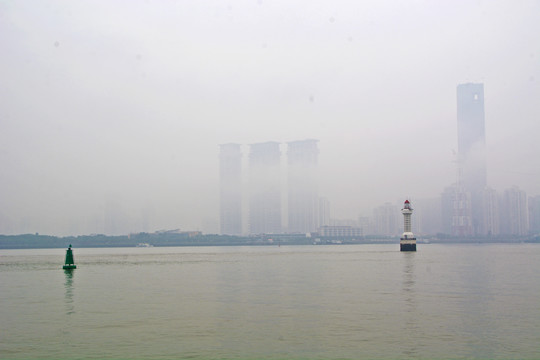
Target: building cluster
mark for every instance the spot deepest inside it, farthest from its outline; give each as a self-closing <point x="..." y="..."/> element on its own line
<point x="264" y="211"/>
<point x="511" y="212"/>
<point x="475" y="209"/>
<point x="507" y="213"/>
<point x="467" y="208"/>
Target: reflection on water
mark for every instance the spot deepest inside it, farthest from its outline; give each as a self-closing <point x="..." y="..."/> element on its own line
<point x="68" y="286"/>
<point x="409" y="279"/>
<point x="409" y="305"/>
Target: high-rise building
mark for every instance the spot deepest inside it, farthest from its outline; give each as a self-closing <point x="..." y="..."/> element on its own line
<point x="461" y="215"/>
<point x="534" y="214"/>
<point x="447" y="209"/>
<point x="491" y="212"/>
<point x="265" y="188"/>
<point x="428" y="216"/>
<point x="324" y="211"/>
<point x="364" y="222"/>
<point x="515" y="212"/>
<point x="386" y="220"/>
<point x="303" y="196"/>
<point x="230" y="189"/>
<point x="472" y="148"/>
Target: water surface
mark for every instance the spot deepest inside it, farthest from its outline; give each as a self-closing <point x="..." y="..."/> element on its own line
<point x="304" y="302"/>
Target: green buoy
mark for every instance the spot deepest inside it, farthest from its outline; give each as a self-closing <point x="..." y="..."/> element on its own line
<point x="70" y="264"/>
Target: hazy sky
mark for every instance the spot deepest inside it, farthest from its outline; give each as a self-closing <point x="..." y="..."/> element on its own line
<point x="115" y="109"/>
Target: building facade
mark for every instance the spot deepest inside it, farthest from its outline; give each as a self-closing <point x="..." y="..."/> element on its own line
<point x="324" y="211"/>
<point x="514" y="212"/>
<point x="230" y="189"/>
<point x="303" y="194"/>
<point x="472" y="149"/>
<point x="462" y="224"/>
<point x="428" y="216"/>
<point x="341" y="231"/>
<point x="385" y="220"/>
<point x="534" y="214"/>
<point x="265" y="188"/>
<point x="491" y="225"/>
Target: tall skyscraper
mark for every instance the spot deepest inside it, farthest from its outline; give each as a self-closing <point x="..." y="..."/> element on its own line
<point x="265" y="188"/>
<point x="472" y="148"/>
<point x="230" y="189"/>
<point x="303" y="194"/>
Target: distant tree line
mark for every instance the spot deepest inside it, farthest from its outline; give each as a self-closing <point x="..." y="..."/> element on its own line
<point x="156" y="239"/>
<point x="36" y="241"/>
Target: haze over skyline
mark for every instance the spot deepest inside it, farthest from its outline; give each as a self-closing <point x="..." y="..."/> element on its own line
<point x="114" y="110"/>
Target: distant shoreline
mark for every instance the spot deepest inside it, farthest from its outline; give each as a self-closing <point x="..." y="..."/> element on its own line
<point x="36" y="241"/>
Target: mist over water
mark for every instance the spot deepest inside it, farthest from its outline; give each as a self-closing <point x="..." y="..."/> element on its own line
<point x="332" y="302"/>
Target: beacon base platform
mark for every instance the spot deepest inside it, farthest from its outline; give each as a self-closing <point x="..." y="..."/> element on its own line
<point x="407" y="244"/>
<point x="408" y="247"/>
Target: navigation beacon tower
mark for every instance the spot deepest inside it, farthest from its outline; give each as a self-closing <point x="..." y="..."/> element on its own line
<point x="407" y="241"/>
<point x="70" y="263"/>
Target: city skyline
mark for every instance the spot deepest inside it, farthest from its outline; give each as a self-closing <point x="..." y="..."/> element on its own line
<point x="267" y="164"/>
<point x="111" y="113"/>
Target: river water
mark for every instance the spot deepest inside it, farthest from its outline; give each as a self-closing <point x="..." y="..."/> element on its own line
<point x="288" y="302"/>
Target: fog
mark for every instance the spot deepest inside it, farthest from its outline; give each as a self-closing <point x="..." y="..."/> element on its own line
<point x="111" y="112"/>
